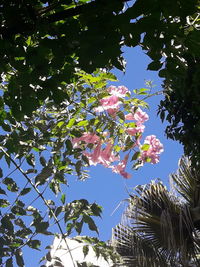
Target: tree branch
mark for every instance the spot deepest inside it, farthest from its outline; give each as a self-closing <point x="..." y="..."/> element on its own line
<point x="29" y="27"/>
<point x="71" y="12"/>
<point x="44" y="200"/>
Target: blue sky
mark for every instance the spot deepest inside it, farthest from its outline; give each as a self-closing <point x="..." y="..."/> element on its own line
<point x="111" y="190"/>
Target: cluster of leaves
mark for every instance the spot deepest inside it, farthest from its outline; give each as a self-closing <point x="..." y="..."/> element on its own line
<point x="181" y="104"/>
<point x="32" y="65"/>
<point x="90" y="35"/>
<point x="39" y="149"/>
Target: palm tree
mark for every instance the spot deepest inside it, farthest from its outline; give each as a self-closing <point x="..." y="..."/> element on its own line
<point x="160" y="227"/>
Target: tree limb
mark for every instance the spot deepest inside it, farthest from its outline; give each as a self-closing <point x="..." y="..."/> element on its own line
<point x="71" y="12"/>
<point x="25" y="27"/>
<point x="40" y="195"/>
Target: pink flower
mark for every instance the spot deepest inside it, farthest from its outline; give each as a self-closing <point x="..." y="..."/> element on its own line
<point x="120" y="168"/>
<point x="138" y="129"/>
<point x="155" y="148"/>
<point x="129" y="117"/>
<point x="94" y="156"/>
<point x="104" y="157"/>
<point x="88" y="138"/>
<point x="119" y="91"/>
<point x="110" y="103"/>
<point x="140" y="116"/>
<point x="107" y="156"/>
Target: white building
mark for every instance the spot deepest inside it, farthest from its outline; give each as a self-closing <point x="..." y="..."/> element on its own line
<point x="66" y="253"/>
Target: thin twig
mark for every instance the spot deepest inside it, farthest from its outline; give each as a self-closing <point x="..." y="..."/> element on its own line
<point x="42" y="197"/>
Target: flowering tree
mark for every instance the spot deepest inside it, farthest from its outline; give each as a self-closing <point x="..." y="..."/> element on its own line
<point x="96" y="124"/>
<point x="106" y="146"/>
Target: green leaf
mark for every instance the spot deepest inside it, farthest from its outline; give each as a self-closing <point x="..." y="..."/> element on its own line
<point x="85" y="250"/>
<point x="19" y="222"/>
<point x="18" y="210"/>
<point x="8" y="160"/>
<point x="129" y="143"/>
<point x="43" y="161"/>
<point x="63" y="198"/>
<point x="59" y="176"/>
<point x="24" y="232"/>
<point x="41" y="227"/>
<point x="117" y="148"/>
<point x="85" y="159"/>
<point x="109" y="76"/>
<point x="69" y="146"/>
<point x="25" y="191"/>
<point x="83" y="123"/>
<point x="69" y="228"/>
<point x="42" y="177"/>
<point x="7" y="223"/>
<point x="19" y="257"/>
<point x="2" y="191"/>
<point x="31" y="171"/>
<point x="121" y="115"/>
<point x="20" y="203"/>
<point x="4" y="203"/>
<point x="60" y="124"/>
<point x="162" y="115"/>
<point x="96" y="209"/>
<point x="31" y="160"/>
<point x="130" y="125"/>
<point x="145" y="147"/>
<point x="78" y="227"/>
<point x="141" y="91"/>
<point x="78" y="167"/>
<point x="9" y="262"/>
<point x="91" y="100"/>
<point x="91" y="224"/>
<point x="71" y="123"/>
<point x="10" y="183"/>
<point x="35" y="244"/>
<point x="48" y="256"/>
<point x="54" y="186"/>
<point x="136" y="155"/>
<point x="58" y="211"/>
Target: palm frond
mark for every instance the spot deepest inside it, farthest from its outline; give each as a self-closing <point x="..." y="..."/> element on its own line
<point x="159" y="222"/>
<point x="187" y="182"/>
<point x="136" y="250"/>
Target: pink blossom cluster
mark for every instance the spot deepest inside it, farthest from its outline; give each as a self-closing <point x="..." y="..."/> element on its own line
<point x="155" y="148"/>
<point x="140" y="117"/>
<point x="112" y="103"/>
<point x="119" y="91"/>
<point x="104" y="156"/>
<point x="120" y="168"/>
<point x="102" y="151"/>
<point x="99" y="155"/>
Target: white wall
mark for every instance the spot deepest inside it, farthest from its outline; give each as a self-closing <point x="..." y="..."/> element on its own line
<point x="60" y="250"/>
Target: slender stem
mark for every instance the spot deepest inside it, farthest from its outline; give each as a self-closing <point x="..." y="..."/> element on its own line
<point x="154" y="94"/>
<point x="44" y="200"/>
